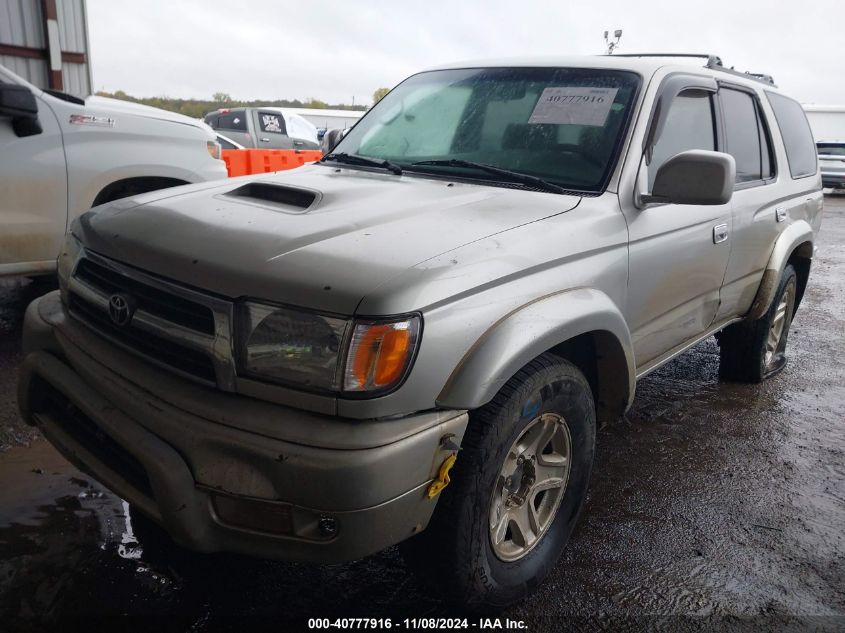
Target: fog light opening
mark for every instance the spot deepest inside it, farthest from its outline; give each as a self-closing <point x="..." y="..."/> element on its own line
<point x="254" y="514"/>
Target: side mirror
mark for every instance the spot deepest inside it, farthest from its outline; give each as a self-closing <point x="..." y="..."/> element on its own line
<point x="19" y="104"/>
<point x="330" y="139"/>
<point x="696" y="176"/>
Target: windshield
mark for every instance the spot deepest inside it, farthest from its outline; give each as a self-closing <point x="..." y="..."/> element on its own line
<point x="563" y="125"/>
<point x="832" y="149"/>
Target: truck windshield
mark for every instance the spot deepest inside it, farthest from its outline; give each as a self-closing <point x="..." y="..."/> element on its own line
<point x="563" y="125"/>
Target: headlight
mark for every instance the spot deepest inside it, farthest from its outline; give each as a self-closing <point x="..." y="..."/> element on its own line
<point x="65" y="263"/>
<point x="291" y="346"/>
<point x="380" y="354"/>
<point x="214" y="149"/>
<point x="323" y="352"/>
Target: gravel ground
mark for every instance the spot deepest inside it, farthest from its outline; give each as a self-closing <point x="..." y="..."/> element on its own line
<point x="712" y="506"/>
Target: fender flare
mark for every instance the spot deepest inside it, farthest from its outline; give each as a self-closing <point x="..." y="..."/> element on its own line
<point x="792" y="237"/>
<point x="537" y="327"/>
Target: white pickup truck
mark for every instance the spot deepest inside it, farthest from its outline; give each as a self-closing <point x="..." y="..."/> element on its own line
<point x="60" y="155"/>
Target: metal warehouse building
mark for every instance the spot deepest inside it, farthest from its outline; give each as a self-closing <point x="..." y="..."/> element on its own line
<point x="46" y="43"/>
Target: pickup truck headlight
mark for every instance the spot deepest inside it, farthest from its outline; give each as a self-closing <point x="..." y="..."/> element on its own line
<point x="214" y="149"/>
<point x="323" y="352"/>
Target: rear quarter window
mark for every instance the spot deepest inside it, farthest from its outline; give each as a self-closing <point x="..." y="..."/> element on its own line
<point x="796" y="133"/>
<point x="232" y="121"/>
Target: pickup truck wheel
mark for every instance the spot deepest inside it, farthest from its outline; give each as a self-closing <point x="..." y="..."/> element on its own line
<point x="517" y="488"/>
<point x="753" y="351"/>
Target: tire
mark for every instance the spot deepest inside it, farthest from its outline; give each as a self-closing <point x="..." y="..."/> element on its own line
<point x="150" y="536"/>
<point x="747" y="350"/>
<point x="159" y="551"/>
<point x="184" y="566"/>
<point x="457" y="552"/>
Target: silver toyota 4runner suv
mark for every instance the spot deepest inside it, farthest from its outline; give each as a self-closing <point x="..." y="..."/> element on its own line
<point x="414" y="339"/>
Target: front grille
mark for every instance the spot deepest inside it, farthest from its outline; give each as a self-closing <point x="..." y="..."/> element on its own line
<point x="156" y="348"/>
<point x="49" y="401"/>
<point x="162" y="304"/>
<point x="168" y="324"/>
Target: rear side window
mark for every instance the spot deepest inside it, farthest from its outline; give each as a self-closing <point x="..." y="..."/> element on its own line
<point x="232" y="121"/>
<point x="271" y="122"/>
<point x="745" y="136"/>
<point x="689" y="125"/>
<point x="796" y="133"/>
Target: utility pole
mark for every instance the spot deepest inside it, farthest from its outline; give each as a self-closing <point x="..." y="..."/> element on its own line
<point x="611" y="45"/>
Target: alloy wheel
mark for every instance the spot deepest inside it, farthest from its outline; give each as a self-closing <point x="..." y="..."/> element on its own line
<point x="530" y="486"/>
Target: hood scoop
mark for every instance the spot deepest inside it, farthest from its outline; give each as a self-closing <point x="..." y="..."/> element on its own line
<point x="279" y="197"/>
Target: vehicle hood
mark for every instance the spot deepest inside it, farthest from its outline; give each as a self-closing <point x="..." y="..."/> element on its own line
<point x="363" y="229"/>
<point x="106" y="105"/>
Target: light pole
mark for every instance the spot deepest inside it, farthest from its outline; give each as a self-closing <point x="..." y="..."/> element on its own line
<point x="611" y="44"/>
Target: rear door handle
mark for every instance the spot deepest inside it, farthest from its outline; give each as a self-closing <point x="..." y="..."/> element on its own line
<point x="264" y="140"/>
<point x="720" y="233"/>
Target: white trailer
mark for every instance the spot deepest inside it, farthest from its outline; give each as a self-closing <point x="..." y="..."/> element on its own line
<point x="827" y="122"/>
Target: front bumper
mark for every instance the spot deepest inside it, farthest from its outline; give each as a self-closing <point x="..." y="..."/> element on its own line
<point x="210" y="468"/>
<point x="833" y="180"/>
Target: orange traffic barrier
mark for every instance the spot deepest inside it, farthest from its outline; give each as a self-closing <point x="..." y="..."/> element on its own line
<point x="242" y="162"/>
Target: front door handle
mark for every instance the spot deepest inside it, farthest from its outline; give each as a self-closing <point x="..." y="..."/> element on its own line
<point x="264" y="140"/>
<point x="720" y="233"/>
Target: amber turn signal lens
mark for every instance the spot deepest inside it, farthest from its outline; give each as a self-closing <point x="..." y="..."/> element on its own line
<point x="379" y="354"/>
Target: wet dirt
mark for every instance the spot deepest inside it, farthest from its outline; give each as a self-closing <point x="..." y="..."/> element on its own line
<point x="712" y="506"/>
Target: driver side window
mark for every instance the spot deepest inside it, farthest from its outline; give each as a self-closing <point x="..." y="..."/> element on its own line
<point x="689" y="125"/>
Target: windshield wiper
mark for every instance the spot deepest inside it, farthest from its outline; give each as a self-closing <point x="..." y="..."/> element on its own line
<point x="354" y="159"/>
<point x="515" y="176"/>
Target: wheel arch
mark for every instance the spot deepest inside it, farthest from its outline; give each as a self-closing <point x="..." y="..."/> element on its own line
<point x="583" y="326"/>
<point x="794" y="246"/>
<point x="133" y="186"/>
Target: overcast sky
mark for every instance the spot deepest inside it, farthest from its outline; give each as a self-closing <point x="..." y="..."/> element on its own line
<point x="334" y="50"/>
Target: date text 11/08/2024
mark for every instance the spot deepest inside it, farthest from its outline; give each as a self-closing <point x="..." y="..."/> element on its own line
<point x="481" y="624"/>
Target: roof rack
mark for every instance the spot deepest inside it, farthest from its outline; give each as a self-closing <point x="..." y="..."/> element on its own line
<point x="711" y="59"/>
<point x="714" y="62"/>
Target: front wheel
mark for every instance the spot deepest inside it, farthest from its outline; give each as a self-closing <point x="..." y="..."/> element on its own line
<point x="517" y="489"/>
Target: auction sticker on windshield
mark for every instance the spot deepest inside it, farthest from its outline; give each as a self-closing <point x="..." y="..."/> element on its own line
<point x="574" y="106"/>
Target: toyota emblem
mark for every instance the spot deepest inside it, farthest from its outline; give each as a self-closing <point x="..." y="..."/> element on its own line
<point x="121" y="308"/>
